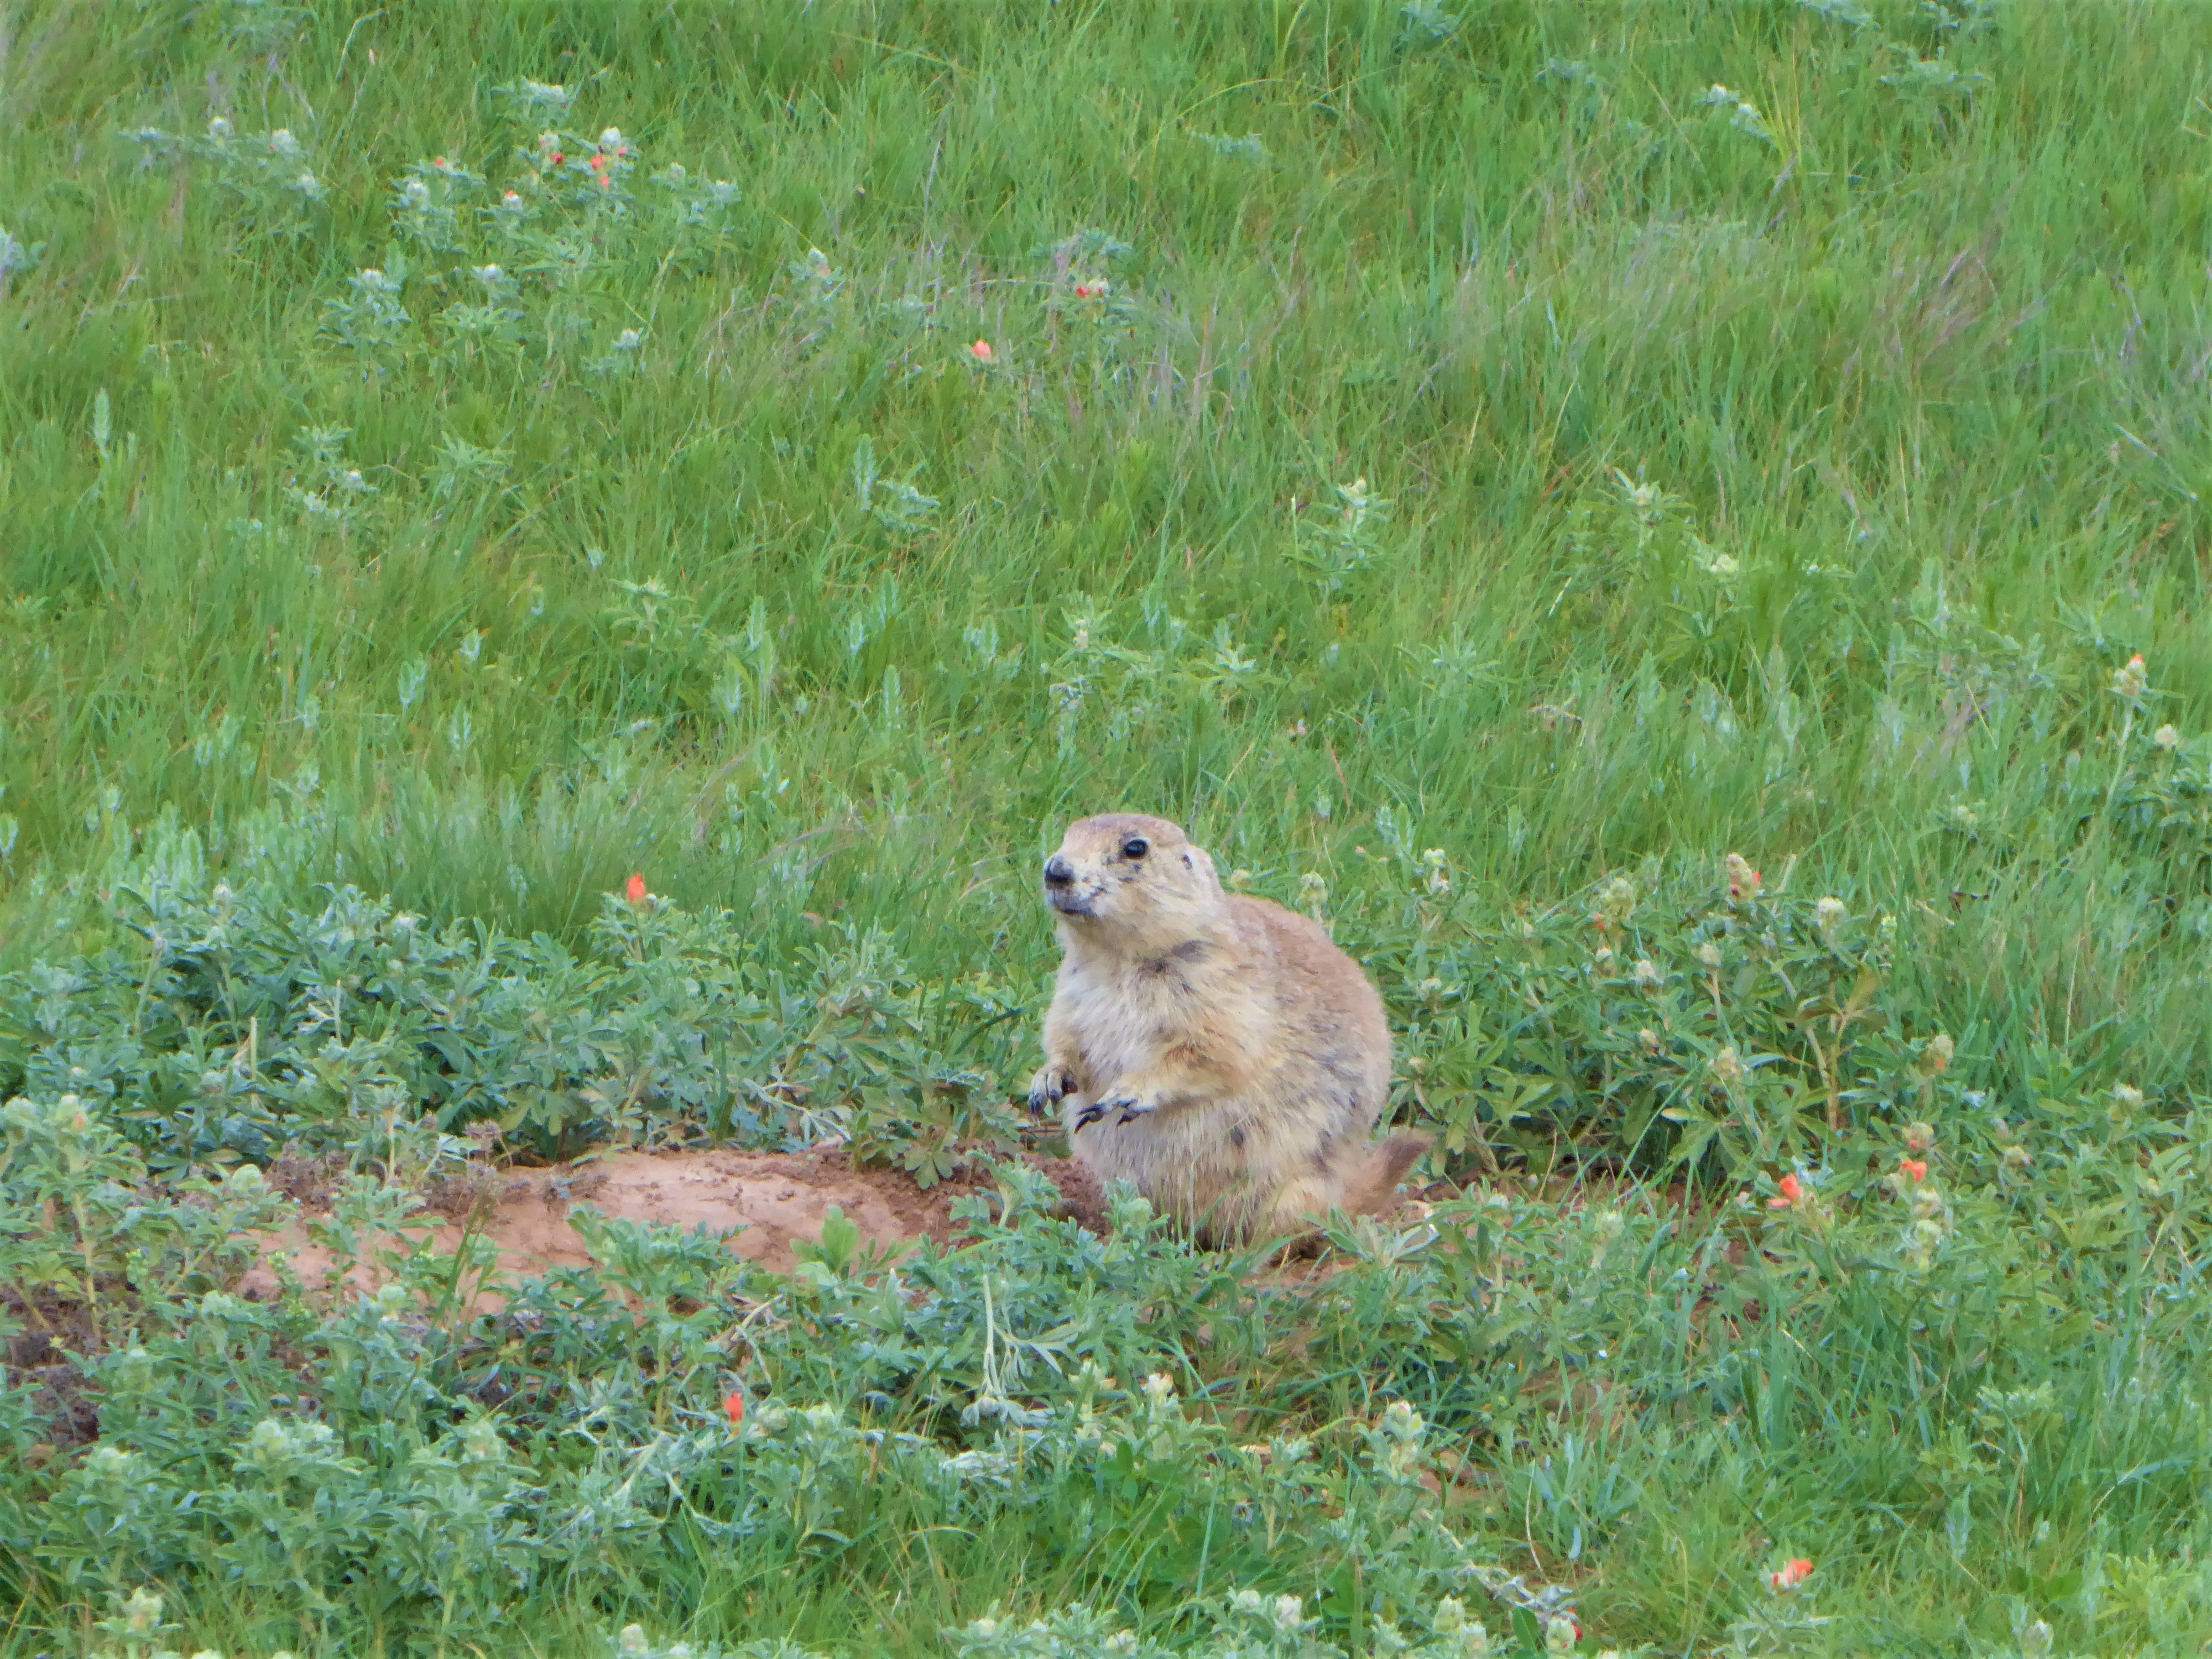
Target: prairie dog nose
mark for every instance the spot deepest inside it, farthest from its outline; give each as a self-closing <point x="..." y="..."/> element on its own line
<point x="1058" y="871"/>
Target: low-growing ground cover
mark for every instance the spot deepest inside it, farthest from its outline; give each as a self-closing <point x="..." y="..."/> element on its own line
<point x="1499" y="472"/>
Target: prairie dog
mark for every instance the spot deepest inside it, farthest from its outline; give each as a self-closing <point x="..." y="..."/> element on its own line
<point x="1218" y="1051"/>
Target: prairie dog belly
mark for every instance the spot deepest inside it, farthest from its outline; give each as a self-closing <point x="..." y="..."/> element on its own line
<point x="1217" y="1162"/>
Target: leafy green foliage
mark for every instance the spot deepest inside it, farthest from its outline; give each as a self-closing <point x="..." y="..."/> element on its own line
<point x="1140" y="1424"/>
<point x="234" y="1024"/>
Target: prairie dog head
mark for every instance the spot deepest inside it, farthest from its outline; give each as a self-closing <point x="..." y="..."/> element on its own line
<point x="1131" y="882"/>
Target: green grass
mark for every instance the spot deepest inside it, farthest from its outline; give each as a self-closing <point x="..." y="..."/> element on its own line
<point x="1911" y="363"/>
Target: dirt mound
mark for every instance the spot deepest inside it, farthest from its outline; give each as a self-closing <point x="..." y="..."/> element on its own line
<point x="777" y="1199"/>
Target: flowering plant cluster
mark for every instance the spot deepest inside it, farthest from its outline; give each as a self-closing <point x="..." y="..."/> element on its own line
<point x="268" y="176"/>
<point x="455" y="1506"/>
<point x="671" y="1019"/>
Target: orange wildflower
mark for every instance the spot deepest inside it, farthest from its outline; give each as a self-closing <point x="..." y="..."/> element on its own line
<point x="1792" y="1574"/>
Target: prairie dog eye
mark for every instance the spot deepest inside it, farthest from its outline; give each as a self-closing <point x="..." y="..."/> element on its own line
<point x="1135" y="847"/>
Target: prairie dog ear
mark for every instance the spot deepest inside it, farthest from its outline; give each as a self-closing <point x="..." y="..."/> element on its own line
<point x="1200" y="860"/>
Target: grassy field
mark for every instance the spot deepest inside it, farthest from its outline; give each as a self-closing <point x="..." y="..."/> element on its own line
<point x="1478" y="464"/>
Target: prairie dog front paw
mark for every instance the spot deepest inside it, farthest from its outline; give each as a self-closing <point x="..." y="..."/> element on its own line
<point x="1124" y="1106"/>
<point x="1053" y="1083"/>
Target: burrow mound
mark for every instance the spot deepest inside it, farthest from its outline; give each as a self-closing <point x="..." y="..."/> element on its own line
<point x="777" y="1199"/>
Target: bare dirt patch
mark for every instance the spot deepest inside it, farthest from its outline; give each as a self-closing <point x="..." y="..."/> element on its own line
<point x="777" y="1200"/>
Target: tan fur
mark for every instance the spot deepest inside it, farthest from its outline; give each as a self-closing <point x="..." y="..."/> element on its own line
<point x="1218" y="1051"/>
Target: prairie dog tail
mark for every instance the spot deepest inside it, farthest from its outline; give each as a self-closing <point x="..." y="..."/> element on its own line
<point x="1377" y="1183"/>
